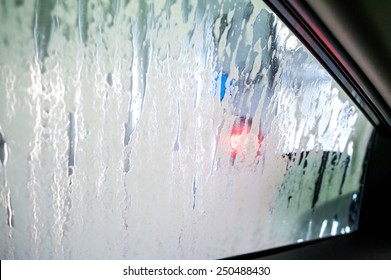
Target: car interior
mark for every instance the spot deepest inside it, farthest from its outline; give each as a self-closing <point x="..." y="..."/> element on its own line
<point x="195" y="129"/>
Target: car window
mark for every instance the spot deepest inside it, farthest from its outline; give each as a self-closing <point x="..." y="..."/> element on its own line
<point x="169" y="130"/>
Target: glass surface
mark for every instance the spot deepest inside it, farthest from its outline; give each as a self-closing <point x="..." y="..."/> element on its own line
<point x="168" y="129"/>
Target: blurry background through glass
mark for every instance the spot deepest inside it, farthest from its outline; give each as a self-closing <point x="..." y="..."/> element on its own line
<point x="168" y="129"/>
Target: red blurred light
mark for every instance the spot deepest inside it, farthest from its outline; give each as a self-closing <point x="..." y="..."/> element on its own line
<point x="240" y="141"/>
<point x="241" y="138"/>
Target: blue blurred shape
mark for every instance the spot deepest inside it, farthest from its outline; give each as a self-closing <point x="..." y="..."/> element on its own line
<point x="222" y="78"/>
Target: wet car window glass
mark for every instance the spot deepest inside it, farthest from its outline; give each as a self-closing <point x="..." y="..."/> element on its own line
<point x="168" y="129"/>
